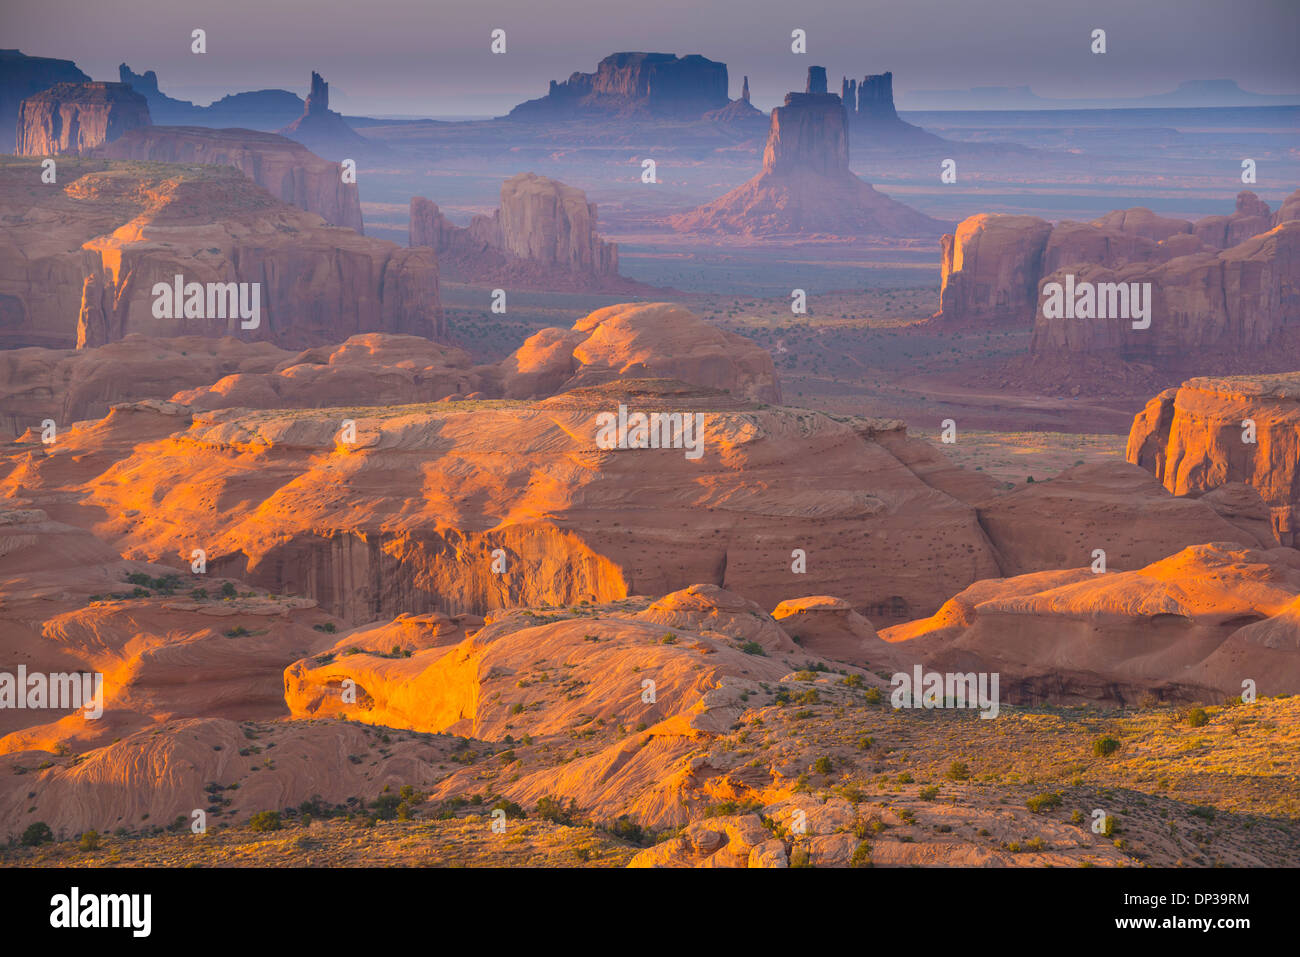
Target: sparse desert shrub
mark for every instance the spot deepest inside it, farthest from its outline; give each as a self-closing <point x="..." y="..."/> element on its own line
<point x="1105" y="746"/>
<point x="239" y="631"/>
<point x="823" y="765"/>
<point x="905" y="778"/>
<point x="89" y="840"/>
<point x="930" y="793"/>
<point x="37" y="833"/>
<point x="1197" y="718"/>
<point x="265" y="821"/>
<point x="1043" y="802"/>
<point x="327" y="627"/>
<point x="753" y="648"/>
<point x="799" y="857"/>
<point x="550" y="809"/>
<point x="861" y="856"/>
<point x="865" y="741"/>
<point x="872" y="696"/>
<point x="958" y="771"/>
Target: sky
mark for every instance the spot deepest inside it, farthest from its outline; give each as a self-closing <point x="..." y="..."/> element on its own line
<point x="431" y="57"/>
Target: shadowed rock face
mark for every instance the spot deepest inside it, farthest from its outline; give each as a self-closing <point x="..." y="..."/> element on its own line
<point x="1192" y="439"/>
<point x="23" y="76"/>
<point x="94" y="247"/>
<point x="1207" y="302"/>
<point x="542" y="229"/>
<point x="323" y="130"/>
<point x="254" y="110"/>
<point x="285" y="169"/>
<point x="805" y="186"/>
<point x="658" y="84"/>
<point x="77" y="117"/>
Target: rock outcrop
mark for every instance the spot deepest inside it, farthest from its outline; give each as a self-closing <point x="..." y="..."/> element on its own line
<point x="544" y="233"/>
<point x="652" y="84"/>
<point x="805" y="186"/>
<point x="1192" y="626"/>
<point x="873" y="118"/>
<point x="79" y="262"/>
<point x="406" y="518"/>
<point x="22" y="76"/>
<point x="77" y="117"/>
<point x="255" y="110"/>
<point x="321" y="129"/>
<point x="1216" y="297"/>
<point x="639" y="341"/>
<point x="283" y="168"/>
<point x="1212" y="433"/>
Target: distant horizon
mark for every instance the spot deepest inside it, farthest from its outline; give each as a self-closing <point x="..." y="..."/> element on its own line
<point x="401" y="57"/>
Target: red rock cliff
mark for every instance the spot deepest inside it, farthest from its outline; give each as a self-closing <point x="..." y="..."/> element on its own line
<point x="76" y="117"/>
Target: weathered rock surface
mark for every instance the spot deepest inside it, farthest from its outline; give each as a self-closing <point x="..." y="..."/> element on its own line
<point x="639" y="340"/>
<point x="406" y="518"/>
<point x="1192" y="439"/>
<point x="1224" y="290"/>
<point x="805" y="186"/>
<point x="1194" y="624"/>
<point x="22" y="76"/>
<point x="544" y="233"/>
<point x="657" y="84"/>
<point x="285" y="169"/>
<point x="79" y="261"/>
<point x="77" y="117"/>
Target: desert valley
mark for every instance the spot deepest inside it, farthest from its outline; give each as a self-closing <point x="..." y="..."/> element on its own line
<point x="641" y="477"/>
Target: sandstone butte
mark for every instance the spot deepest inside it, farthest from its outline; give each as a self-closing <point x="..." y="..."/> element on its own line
<point x="323" y="130"/>
<point x="1194" y="439"/>
<point x="78" y="261"/>
<point x="805" y="186"/>
<point x="542" y="235"/>
<point x="285" y="169"/>
<point x="1224" y="287"/>
<point x="22" y="76"/>
<point x="654" y="84"/>
<point x="76" y="117"/>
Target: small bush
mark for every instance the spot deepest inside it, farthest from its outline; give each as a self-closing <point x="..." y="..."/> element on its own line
<point x="958" y="771"/>
<point x="930" y="793"/>
<point x="1197" y="718"/>
<point x="37" y="833"/>
<point x="90" y="841"/>
<point x="265" y="821"/>
<point x="1105" y="746"/>
<point x="1042" y="802"/>
<point x="823" y="765"/>
<point x="753" y="648"/>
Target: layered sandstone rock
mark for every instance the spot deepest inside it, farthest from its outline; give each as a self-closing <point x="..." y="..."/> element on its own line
<point x="406" y="518"/>
<point x="1223" y="288"/>
<point x="544" y="232"/>
<point x="22" y="76"/>
<point x="1195" y="624"/>
<point x="639" y="340"/>
<point x="805" y="186"/>
<point x="87" y="256"/>
<point x="68" y="385"/>
<point x="656" y="84"/>
<point x="1193" y="439"/>
<point x="282" y="167"/>
<point x="77" y="117"/>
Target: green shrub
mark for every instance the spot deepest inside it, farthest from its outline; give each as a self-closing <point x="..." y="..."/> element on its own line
<point x="1197" y="718"/>
<point x="753" y="648"/>
<point x="90" y="840"/>
<point x="1105" y="746"/>
<point x="37" y="833"/>
<point x="823" y="765"/>
<point x="265" y="821"/>
<point x="930" y="793"/>
<point x="1042" y="802"/>
<point x="958" y="771"/>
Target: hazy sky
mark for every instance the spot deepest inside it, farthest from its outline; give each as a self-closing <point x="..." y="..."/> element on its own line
<point x="431" y="56"/>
